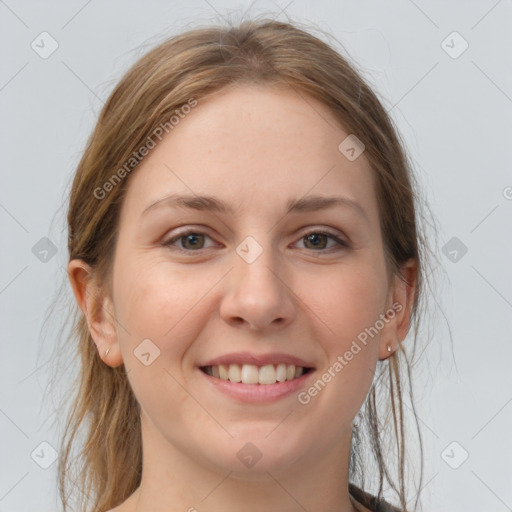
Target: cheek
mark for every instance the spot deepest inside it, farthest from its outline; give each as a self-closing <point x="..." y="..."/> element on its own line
<point x="342" y="385"/>
<point x="349" y="302"/>
<point x="156" y="303"/>
<point x="155" y="300"/>
<point x="349" y="307"/>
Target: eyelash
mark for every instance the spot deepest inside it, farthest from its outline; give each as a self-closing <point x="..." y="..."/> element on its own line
<point x="169" y="243"/>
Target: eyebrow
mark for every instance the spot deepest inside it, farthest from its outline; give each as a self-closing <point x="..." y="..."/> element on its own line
<point x="213" y="204"/>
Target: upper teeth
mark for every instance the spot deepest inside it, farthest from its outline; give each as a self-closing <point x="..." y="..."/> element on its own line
<point x="252" y="374"/>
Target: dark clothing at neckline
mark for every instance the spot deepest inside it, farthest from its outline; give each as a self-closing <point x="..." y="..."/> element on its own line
<point x="371" y="502"/>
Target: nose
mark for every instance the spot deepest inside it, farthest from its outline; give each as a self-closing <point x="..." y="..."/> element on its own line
<point x="257" y="294"/>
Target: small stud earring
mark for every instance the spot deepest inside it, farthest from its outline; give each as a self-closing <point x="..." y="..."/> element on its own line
<point x="389" y="348"/>
<point x="107" y="351"/>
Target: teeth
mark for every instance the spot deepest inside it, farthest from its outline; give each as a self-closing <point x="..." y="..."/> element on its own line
<point x="266" y="375"/>
<point x="281" y="372"/>
<point x="234" y="373"/>
<point x="252" y="374"/>
<point x="223" y="372"/>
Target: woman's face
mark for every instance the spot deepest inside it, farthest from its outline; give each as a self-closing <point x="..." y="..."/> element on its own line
<point x="251" y="279"/>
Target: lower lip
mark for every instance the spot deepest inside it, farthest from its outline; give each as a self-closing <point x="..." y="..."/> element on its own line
<point x="251" y="393"/>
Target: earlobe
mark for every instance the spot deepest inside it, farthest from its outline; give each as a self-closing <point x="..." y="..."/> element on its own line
<point x="97" y="309"/>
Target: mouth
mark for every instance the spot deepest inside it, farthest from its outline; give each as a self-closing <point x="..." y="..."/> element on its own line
<point x="262" y="375"/>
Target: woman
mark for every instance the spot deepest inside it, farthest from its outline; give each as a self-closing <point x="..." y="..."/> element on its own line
<point x="244" y="250"/>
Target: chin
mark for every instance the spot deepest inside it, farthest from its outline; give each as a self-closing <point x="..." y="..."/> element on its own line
<point x="250" y="455"/>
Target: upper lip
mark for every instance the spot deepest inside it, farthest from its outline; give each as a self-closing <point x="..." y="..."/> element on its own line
<point x="257" y="359"/>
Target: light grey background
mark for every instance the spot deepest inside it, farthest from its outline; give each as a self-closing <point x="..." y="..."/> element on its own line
<point x="455" y="116"/>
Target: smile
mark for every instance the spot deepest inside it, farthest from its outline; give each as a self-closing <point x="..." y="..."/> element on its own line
<point x="253" y="374"/>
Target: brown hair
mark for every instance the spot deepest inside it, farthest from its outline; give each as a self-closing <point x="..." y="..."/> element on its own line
<point x="188" y="67"/>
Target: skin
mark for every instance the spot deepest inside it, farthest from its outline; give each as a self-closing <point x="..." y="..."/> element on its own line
<point x="254" y="147"/>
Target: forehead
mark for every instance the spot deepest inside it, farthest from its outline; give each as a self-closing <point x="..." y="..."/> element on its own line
<point x="253" y="145"/>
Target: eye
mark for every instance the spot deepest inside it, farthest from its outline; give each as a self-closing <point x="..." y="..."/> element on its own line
<point x="317" y="240"/>
<point x="190" y="240"/>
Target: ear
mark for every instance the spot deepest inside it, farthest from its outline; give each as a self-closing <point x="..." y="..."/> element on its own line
<point x="97" y="307"/>
<point x="398" y="309"/>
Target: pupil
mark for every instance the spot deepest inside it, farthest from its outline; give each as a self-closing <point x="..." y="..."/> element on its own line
<point x="314" y="238"/>
<point x="192" y="237"/>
